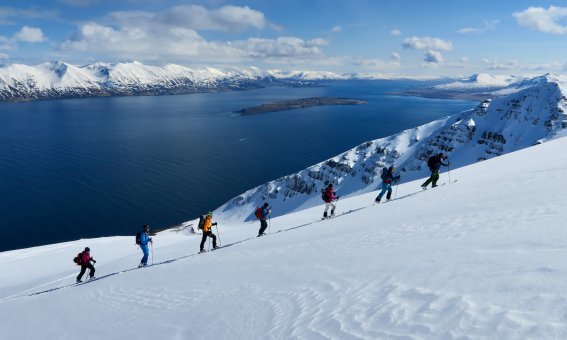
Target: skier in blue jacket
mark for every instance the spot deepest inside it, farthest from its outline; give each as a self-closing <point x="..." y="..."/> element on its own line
<point x="387" y="179"/>
<point x="142" y="239"/>
<point x="265" y="215"/>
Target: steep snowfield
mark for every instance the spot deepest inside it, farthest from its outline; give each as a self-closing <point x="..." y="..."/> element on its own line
<point x="483" y="257"/>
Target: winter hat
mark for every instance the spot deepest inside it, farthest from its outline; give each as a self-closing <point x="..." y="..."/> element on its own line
<point x="266" y="205"/>
<point x="146" y="227"/>
<point x="87" y="249"/>
<point x="210" y="214"/>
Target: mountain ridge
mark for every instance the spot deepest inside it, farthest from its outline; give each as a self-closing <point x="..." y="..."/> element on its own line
<point x="532" y="114"/>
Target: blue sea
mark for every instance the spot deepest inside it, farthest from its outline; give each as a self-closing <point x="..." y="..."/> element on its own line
<point x="81" y="168"/>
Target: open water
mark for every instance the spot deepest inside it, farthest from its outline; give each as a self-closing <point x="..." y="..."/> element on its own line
<point x="92" y="167"/>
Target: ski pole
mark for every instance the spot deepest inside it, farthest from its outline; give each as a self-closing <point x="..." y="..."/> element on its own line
<point x="152" y="243"/>
<point x="209" y="243"/>
<point x="216" y="226"/>
<point x="269" y="224"/>
<point x="396" y="193"/>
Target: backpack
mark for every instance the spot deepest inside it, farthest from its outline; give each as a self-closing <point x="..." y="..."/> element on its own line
<point x="138" y="235"/>
<point x="77" y="259"/>
<point x="258" y="213"/>
<point x="384" y="173"/>
<point x="201" y="220"/>
<point x="324" y="195"/>
<point x="431" y="161"/>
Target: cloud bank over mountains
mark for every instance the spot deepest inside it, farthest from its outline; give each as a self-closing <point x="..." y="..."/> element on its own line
<point x="358" y="37"/>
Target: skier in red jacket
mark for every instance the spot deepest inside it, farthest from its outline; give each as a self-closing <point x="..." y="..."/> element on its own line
<point x="85" y="258"/>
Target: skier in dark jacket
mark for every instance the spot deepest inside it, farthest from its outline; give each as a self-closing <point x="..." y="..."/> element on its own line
<point x="85" y="258"/>
<point x="330" y="197"/>
<point x="387" y="179"/>
<point x="142" y="239"/>
<point x="434" y="163"/>
<point x="263" y="223"/>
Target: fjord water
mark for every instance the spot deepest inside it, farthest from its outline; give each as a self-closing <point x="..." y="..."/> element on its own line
<point x="82" y="168"/>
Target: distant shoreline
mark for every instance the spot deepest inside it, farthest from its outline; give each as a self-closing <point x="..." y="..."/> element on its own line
<point x="299" y="104"/>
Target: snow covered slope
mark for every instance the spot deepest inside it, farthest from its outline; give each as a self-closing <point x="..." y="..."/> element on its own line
<point x="534" y="113"/>
<point x="483" y="257"/>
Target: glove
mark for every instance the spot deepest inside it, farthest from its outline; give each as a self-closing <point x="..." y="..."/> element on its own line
<point x="94" y="261"/>
<point x="214" y="223"/>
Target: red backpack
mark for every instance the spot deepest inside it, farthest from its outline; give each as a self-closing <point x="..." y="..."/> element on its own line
<point x="258" y="213"/>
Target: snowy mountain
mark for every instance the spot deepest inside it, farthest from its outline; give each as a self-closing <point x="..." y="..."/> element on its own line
<point x="53" y="80"/>
<point x="61" y="80"/>
<point x="481" y="258"/>
<point x="532" y="112"/>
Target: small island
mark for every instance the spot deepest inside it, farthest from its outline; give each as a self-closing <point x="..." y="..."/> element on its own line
<point x="299" y="104"/>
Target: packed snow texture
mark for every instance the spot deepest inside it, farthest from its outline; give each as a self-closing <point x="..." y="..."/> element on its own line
<point x="483" y="257"/>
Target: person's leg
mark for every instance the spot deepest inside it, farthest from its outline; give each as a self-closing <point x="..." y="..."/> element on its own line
<point x="203" y="240"/>
<point x="384" y="188"/>
<point x="83" y="270"/>
<point x="389" y="195"/>
<point x="146" y="252"/>
<point x="333" y="206"/>
<point x="214" y="237"/>
<point x="326" y="209"/>
<point x="435" y="178"/>
<point x="91" y="267"/>
<point x="263" y="226"/>
<point x="429" y="180"/>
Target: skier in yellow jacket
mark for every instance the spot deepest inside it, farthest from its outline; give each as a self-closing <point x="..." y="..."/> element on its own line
<point x="207" y="225"/>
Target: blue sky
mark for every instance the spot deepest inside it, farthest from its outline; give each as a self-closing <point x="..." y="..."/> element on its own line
<point x="442" y="37"/>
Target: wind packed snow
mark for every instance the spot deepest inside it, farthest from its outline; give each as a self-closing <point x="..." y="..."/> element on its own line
<point x="483" y="257"/>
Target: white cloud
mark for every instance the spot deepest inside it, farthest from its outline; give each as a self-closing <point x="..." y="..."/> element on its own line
<point x="427" y="43"/>
<point x="29" y="34"/>
<point x="544" y="20"/>
<point x="396" y="56"/>
<point x="9" y="13"/>
<point x="488" y="26"/>
<point x="226" y="18"/>
<point x="395" y="32"/>
<point x="434" y="47"/>
<point x="280" y="47"/>
<point x="336" y="29"/>
<point x="377" y="64"/>
<point x="144" y="43"/>
<point x="433" y="57"/>
<point x="174" y="34"/>
<point x="492" y="64"/>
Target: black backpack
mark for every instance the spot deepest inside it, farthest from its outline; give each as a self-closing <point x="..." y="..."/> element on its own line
<point x="138" y="236"/>
<point x="324" y="196"/>
<point x="431" y="162"/>
<point x="77" y="259"/>
<point x="201" y="220"/>
<point x="384" y="173"/>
